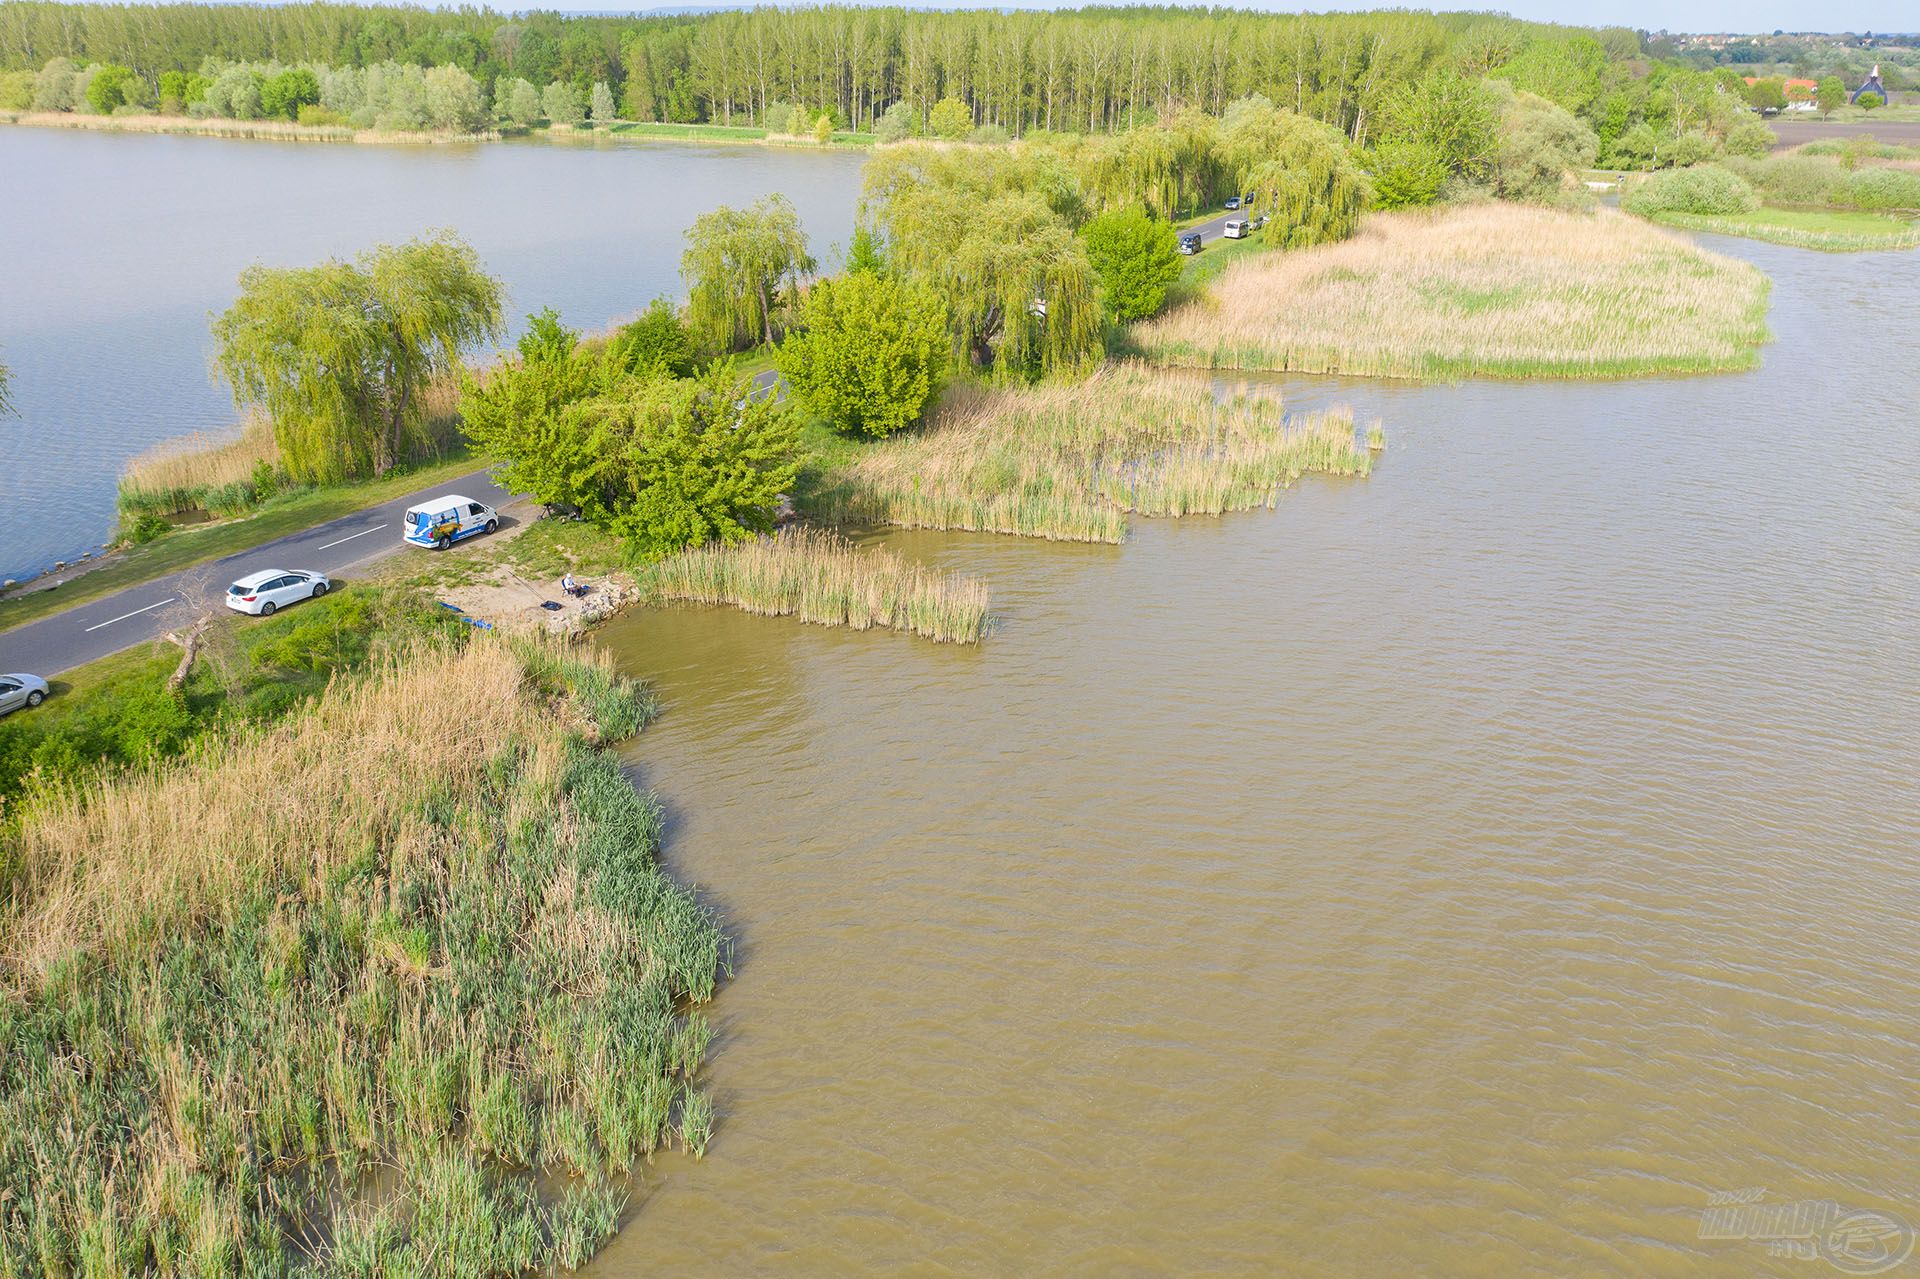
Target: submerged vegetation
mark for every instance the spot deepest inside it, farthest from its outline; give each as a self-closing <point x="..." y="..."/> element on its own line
<point x="1496" y="290"/>
<point x="1070" y="462"/>
<point x="414" y="1008"/>
<point x="817" y="577"/>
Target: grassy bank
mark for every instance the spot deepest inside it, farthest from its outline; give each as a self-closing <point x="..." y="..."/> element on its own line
<point x="410" y="1009"/>
<point x="1498" y="290"/>
<point x="819" y="578"/>
<point x="1070" y="462"/>
<point x="268" y="130"/>
<point x="1831" y="230"/>
<point x="730" y="133"/>
<point x="197" y="544"/>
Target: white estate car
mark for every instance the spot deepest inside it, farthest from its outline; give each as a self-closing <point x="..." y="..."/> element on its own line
<point x="17" y="691"/>
<point x="265" y="592"/>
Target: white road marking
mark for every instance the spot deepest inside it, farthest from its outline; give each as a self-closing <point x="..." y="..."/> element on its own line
<point x="349" y="537"/>
<point x="124" y="616"/>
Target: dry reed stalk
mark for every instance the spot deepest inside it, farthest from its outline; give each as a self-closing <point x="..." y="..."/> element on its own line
<point x="1069" y="462"/>
<point x="171" y="474"/>
<point x="1495" y="289"/>
<point x="818" y="577"/>
<point x="105" y="867"/>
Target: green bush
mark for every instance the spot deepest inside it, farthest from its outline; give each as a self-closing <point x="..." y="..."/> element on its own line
<point x="1702" y="189"/>
<point x="1882" y="190"/>
<point x="314" y="115"/>
<point x="1136" y="258"/>
<point x="1789" y="179"/>
<point x="146" y="528"/>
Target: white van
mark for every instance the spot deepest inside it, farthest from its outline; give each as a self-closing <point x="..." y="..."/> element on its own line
<point x="1236" y="229"/>
<point x="445" y="520"/>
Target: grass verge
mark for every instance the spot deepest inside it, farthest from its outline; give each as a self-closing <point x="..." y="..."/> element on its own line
<point x="1495" y="290"/>
<point x="1070" y="462"/>
<point x="396" y="983"/>
<point x="817" y="577"/>
<point x="267" y="130"/>
<point x="1830" y="230"/>
<point x="197" y="544"/>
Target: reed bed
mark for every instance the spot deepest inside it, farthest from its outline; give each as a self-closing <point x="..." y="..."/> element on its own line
<point x="216" y="471"/>
<point x="821" y="578"/>
<point x="1489" y="290"/>
<point x="1070" y="463"/>
<point x="214" y="127"/>
<point x="396" y="984"/>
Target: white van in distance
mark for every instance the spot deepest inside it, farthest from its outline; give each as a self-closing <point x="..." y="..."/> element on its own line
<point x="1236" y="229"/>
<point x="445" y="520"/>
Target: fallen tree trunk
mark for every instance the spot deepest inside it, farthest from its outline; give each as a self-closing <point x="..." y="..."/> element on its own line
<point x="190" y="648"/>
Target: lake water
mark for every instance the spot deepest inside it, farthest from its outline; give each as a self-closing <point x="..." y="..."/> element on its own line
<point x="115" y="250"/>
<point x="1470" y="870"/>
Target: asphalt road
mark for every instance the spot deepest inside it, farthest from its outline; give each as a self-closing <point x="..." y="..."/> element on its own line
<point x="1216" y="227"/>
<point x="100" y="627"/>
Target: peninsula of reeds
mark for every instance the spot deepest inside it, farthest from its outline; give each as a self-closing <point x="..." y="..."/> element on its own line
<point x="395" y="985"/>
<point x="818" y="577"/>
<point x="1486" y="290"/>
<point x="1071" y="462"/>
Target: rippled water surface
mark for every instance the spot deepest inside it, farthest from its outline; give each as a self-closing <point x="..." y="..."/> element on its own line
<point x="1469" y="870"/>
<point x="115" y="249"/>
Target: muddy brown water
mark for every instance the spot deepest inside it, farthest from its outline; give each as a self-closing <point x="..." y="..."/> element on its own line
<point x="1472" y="870"/>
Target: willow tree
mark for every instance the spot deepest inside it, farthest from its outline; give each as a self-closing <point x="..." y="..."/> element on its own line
<point x="1307" y="183"/>
<point x="738" y="265"/>
<point x="338" y="355"/>
<point x="986" y="230"/>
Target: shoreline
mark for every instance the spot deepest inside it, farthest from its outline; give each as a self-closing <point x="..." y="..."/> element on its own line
<point x="561" y="135"/>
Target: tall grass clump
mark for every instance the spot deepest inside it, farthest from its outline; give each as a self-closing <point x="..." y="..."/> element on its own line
<point x="1070" y="462"/>
<point x="818" y="577"/>
<point x="215" y="471"/>
<point x="396" y="985"/>
<point x="1702" y="188"/>
<point x="1491" y="290"/>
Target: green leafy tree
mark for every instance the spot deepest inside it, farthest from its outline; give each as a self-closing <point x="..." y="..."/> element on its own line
<point x="1407" y="174"/>
<point x="1454" y="116"/>
<point x="896" y="124"/>
<point x="338" y="354"/>
<point x="1136" y="258"/>
<point x="282" y="95"/>
<point x="1539" y="147"/>
<point x="951" y="119"/>
<point x="16" y="90"/>
<point x="823" y="129"/>
<point x="1767" y="95"/>
<point x="529" y="413"/>
<point x="1832" y="94"/>
<point x="56" y="87"/>
<point x="739" y="264"/>
<point x="1869" y="101"/>
<point x="1311" y="188"/>
<point x="867" y="351"/>
<point x="654" y="344"/>
<point x="992" y="231"/>
<point x="561" y="102"/>
<point x="515" y="101"/>
<point x="108" y="87"/>
<point x="602" y="102"/>
<point x="697" y="460"/>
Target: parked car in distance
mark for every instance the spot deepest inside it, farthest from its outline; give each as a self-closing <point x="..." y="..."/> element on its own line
<point x="1246" y="201"/>
<point x="445" y="520"/>
<point x="20" y="691"/>
<point x="1233" y="202"/>
<point x="1190" y="242"/>
<point x="1236" y="229"/>
<point x="265" y="593"/>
